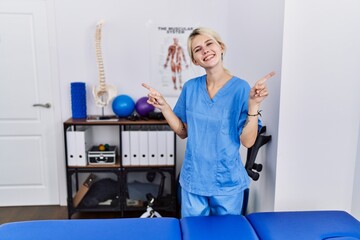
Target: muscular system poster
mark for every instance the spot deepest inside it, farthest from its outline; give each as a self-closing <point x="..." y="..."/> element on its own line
<point x="170" y="64"/>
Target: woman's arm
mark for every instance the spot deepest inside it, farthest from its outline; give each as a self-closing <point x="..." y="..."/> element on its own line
<point x="157" y="100"/>
<point x="256" y="96"/>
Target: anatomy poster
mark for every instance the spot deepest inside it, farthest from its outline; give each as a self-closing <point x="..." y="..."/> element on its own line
<point x="171" y="65"/>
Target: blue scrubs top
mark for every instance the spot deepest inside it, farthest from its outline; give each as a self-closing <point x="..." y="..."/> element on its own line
<point x="212" y="164"/>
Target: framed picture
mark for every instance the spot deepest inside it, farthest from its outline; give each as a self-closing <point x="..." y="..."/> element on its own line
<point x="171" y="65"/>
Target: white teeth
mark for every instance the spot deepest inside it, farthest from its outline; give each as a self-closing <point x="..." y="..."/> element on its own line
<point x="208" y="57"/>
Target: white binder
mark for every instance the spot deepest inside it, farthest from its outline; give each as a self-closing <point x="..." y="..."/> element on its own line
<point x="170" y="149"/>
<point x="78" y="142"/>
<point x="71" y="147"/>
<point x="152" y="143"/>
<point x="143" y="148"/>
<point x="125" y="148"/>
<point x="134" y="148"/>
<point x="161" y="147"/>
<point x="82" y="139"/>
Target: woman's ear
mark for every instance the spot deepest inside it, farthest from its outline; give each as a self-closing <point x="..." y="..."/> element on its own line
<point x="222" y="47"/>
<point x="194" y="62"/>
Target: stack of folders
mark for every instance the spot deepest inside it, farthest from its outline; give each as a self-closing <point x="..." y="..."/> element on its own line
<point x="147" y="145"/>
<point x="77" y="143"/>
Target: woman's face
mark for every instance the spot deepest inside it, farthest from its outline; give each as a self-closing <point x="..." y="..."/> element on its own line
<point x="206" y="51"/>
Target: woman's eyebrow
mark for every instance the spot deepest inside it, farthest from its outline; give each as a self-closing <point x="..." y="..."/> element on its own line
<point x="198" y="46"/>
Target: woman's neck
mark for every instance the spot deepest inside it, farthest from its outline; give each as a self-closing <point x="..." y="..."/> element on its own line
<point x="215" y="80"/>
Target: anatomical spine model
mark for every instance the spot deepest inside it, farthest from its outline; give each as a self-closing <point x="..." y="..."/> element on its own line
<point x="103" y="93"/>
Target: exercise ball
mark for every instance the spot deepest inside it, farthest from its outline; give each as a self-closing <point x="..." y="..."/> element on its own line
<point x="143" y="108"/>
<point x="123" y="105"/>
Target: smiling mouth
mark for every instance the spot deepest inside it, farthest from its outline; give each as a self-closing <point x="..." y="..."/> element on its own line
<point x="209" y="57"/>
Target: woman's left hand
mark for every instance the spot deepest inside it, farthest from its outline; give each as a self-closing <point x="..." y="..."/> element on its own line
<point x="259" y="91"/>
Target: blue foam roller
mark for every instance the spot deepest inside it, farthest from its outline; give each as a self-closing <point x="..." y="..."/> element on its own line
<point x="78" y="100"/>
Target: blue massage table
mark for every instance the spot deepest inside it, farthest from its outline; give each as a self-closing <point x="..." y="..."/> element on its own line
<point x="301" y="225"/>
<point x="334" y="225"/>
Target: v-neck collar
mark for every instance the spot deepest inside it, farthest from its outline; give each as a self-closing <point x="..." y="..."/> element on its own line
<point x="219" y="93"/>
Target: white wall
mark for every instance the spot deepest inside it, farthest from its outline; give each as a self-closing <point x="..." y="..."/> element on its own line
<point x="255" y="49"/>
<point x="319" y="106"/>
<point x="356" y="192"/>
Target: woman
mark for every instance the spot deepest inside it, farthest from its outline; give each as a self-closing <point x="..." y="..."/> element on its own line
<point x="216" y="112"/>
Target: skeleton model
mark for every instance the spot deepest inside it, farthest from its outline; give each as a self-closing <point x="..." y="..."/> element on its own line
<point x="103" y="93"/>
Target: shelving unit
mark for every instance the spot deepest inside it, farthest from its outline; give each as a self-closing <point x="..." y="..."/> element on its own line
<point x="75" y="175"/>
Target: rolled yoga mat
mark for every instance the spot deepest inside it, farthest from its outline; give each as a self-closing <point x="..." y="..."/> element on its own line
<point x="78" y="100"/>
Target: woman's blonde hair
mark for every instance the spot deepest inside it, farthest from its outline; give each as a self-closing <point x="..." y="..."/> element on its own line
<point x="207" y="32"/>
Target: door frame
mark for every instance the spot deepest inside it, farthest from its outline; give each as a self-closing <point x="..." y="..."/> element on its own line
<point x="56" y="89"/>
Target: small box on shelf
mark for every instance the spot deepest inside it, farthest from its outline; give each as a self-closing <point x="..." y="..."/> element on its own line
<point x="96" y="156"/>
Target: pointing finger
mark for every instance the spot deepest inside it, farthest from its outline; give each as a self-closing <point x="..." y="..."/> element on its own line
<point x="266" y="77"/>
<point x="147" y="87"/>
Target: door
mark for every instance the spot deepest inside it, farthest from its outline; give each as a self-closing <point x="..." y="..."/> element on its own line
<point x="28" y="161"/>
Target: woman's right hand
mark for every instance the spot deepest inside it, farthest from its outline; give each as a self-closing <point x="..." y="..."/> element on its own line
<point x="155" y="98"/>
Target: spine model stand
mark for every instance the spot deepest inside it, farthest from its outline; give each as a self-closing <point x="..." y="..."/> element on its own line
<point x="103" y="93"/>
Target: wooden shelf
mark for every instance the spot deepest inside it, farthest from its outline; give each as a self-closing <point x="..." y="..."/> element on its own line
<point x="120" y="121"/>
<point x="121" y="172"/>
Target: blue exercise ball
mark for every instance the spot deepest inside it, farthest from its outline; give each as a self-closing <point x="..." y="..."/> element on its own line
<point x="123" y="105"/>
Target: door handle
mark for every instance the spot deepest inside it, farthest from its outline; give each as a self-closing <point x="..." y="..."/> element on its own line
<point x="46" y="105"/>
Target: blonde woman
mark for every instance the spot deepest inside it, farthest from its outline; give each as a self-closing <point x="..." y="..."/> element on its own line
<point x="216" y="112"/>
